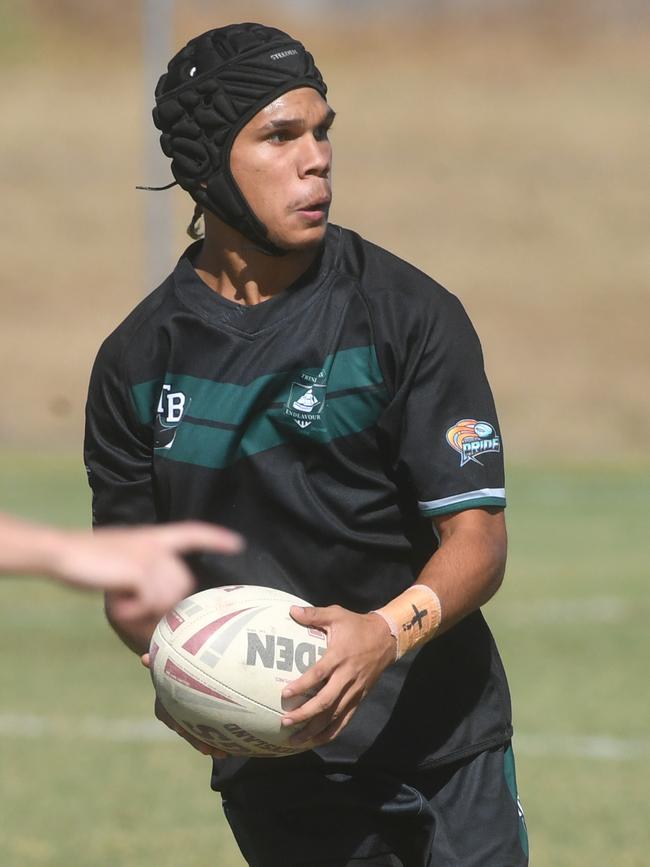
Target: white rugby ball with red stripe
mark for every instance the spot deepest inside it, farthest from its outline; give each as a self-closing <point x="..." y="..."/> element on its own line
<point x="220" y="660"/>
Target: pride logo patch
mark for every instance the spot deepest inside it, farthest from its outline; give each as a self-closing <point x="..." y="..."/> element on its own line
<point x="471" y="438"/>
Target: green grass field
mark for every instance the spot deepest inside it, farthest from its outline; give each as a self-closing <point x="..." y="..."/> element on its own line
<point x="86" y="780"/>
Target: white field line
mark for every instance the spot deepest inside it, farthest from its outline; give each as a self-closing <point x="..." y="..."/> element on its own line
<point x="85" y="728"/>
<point x="582" y="747"/>
<point x="150" y="731"/>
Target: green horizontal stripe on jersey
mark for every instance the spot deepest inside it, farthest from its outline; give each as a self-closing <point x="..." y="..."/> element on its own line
<point x="217" y="448"/>
<point x="353" y="368"/>
<point x="228" y="403"/>
<point x="478" y="503"/>
<point x="145" y="397"/>
<point x="225" y="422"/>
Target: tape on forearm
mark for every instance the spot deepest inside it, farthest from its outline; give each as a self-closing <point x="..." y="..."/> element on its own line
<point x="413" y="617"/>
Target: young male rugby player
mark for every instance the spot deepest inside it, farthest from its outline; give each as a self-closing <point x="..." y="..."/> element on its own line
<point x="298" y="384"/>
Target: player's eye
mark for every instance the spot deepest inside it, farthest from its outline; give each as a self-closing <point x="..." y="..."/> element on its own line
<point x="278" y="137"/>
<point x="321" y="133"/>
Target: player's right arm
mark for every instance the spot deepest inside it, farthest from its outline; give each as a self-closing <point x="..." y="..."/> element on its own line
<point x="118" y="452"/>
<point x="118" y="458"/>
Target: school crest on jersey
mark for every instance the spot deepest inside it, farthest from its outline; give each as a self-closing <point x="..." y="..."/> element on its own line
<point x="471" y="438"/>
<point x="172" y="407"/>
<point x="306" y="399"/>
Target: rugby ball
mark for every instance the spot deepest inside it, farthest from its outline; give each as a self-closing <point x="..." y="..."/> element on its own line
<point x="220" y="659"/>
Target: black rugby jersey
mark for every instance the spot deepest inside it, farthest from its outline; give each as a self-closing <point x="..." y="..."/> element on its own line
<point x="327" y="425"/>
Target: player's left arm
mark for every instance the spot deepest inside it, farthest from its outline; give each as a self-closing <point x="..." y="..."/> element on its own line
<point x="468" y="567"/>
<point x="462" y="575"/>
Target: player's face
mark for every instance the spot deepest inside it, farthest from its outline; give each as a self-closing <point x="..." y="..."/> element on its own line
<point x="282" y="162"/>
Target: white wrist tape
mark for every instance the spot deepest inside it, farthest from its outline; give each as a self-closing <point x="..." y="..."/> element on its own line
<point x="413" y="617"/>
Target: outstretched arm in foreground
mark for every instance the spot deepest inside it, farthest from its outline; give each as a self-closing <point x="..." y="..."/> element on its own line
<point x="140" y="567"/>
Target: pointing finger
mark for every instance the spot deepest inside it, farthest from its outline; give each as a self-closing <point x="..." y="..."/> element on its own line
<point x="194" y="535"/>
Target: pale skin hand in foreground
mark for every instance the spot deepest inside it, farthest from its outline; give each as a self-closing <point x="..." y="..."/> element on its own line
<point x="139" y="566"/>
<point x="465" y="572"/>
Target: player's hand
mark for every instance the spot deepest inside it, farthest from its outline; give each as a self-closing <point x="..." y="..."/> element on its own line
<point x="359" y="648"/>
<point x="203" y="748"/>
<point x="140" y="567"/>
<point x="171" y="723"/>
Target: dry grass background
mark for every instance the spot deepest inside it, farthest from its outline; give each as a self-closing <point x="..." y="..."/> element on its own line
<point x="509" y="162"/>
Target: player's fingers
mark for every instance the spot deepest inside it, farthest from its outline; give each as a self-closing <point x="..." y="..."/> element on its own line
<point x="309" y="732"/>
<point x="312" y="680"/>
<point x="203" y="748"/>
<point x="145" y="659"/>
<point x="318" y="618"/>
<point x="128" y="605"/>
<point x="337" y="724"/>
<point x="171" y="582"/>
<point x="197" y="744"/>
<point x="318" y="725"/>
<point x="170" y="722"/>
<point x="194" y="535"/>
<point x="151" y="600"/>
<point x="321" y="704"/>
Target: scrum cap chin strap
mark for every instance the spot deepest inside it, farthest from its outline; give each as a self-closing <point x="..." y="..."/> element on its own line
<point x="211" y="89"/>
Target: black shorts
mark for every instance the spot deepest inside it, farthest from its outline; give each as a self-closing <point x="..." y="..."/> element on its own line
<point x="461" y="815"/>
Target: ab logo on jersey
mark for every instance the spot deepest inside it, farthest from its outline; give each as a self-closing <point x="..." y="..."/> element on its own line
<point x="172" y="406"/>
<point x="306" y="399"/>
<point x="471" y="438"/>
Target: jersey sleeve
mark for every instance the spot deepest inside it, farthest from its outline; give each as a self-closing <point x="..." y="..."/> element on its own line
<point x="117" y="447"/>
<point x="450" y="444"/>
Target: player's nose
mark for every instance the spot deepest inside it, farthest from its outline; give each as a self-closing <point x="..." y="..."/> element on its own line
<point x="315" y="157"/>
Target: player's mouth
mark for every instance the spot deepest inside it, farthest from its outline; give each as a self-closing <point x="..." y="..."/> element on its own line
<point x="315" y="210"/>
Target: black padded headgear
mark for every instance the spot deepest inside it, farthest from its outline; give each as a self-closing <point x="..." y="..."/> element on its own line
<point x="211" y="89"/>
